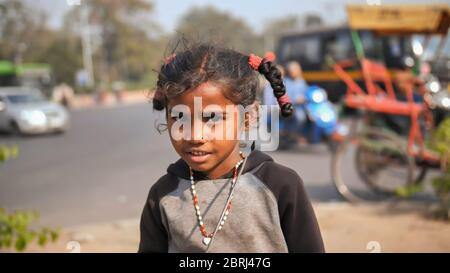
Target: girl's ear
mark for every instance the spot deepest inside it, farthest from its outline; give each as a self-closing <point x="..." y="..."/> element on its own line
<point x="247" y="119"/>
<point x="159" y="126"/>
<point x="251" y="117"/>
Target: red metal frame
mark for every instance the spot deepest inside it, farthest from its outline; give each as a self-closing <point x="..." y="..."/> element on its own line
<point x="376" y="99"/>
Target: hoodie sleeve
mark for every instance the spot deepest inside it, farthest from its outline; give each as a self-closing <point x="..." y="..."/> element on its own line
<point x="154" y="236"/>
<point x="298" y="221"/>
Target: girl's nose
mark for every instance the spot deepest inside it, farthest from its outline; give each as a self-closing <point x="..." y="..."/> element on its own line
<point x="197" y="140"/>
<point x="197" y="135"/>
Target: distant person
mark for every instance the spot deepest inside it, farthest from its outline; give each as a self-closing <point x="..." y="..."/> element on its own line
<point x="195" y="206"/>
<point x="64" y="95"/>
<point x="295" y="87"/>
<point x="118" y="88"/>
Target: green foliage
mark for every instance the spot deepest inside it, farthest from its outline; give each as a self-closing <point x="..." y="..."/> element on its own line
<point x="8" y="152"/>
<point x="145" y="83"/>
<point x="440" y="143"/>
<point x="123" y="39"/>
<point x="272" y="30"/>
<point x="23" y="31"/>
<point x="409" y="190"/>
<point x="127" y="43"/>
<point x="62" y="48"/>
<point x="15" y="230"/>
<point x="441" y="184"/>
<point x="209" y="24"/>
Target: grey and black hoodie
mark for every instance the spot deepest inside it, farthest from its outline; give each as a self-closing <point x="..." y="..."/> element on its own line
<point x="270" y="211"/>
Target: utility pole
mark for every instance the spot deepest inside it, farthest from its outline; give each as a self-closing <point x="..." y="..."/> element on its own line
<point x="86" y="44"/>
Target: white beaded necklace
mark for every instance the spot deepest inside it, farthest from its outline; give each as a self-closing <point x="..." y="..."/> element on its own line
<point x="207" y="237"/>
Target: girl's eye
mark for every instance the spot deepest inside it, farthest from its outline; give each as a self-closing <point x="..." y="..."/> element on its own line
<point x="177" y="116"/>
<point x="213" y="117"/>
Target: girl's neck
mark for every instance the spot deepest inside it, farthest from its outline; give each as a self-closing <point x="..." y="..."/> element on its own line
<point x="226" y="165"/>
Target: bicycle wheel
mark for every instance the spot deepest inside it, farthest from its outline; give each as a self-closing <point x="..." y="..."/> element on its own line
<point x="377" y="158"/>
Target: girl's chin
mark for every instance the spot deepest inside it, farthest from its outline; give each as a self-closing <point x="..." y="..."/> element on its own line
<point x="200" y="167"/>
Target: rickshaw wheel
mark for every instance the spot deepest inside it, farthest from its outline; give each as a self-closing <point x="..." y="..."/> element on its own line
<point x="421" y="175"/>
<point x="379" y="157"/>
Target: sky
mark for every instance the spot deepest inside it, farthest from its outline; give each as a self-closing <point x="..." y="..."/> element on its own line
<point x="255" y="12"/>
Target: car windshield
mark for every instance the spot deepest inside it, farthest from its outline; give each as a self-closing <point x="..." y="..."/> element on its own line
<point x="25" y="98"/>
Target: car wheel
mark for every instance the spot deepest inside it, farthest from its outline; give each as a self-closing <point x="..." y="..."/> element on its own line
<point x="59" y="132"/>
<point x="15" y="129"/>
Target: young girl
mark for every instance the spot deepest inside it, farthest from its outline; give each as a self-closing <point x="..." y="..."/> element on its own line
<point x="214" y="198"/>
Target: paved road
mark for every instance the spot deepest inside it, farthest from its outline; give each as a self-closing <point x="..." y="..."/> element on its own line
<point x="102" y="168"/>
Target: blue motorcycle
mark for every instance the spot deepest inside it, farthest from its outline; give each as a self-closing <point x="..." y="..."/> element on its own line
<point x="321" y="120"/>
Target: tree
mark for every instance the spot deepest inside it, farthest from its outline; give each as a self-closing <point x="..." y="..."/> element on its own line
<point x="277" y="27"/>
<point x="125" y="47"/>
<point x="211" y="25"/>
<point x="23" y="31"/>
<point x="274" y="28"/>
<point x="312" y="20"/>
<point x="63" y="54"/>
<point x="25" y="37"/>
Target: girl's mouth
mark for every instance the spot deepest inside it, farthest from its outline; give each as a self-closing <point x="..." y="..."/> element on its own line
<point x="197" y="156"/>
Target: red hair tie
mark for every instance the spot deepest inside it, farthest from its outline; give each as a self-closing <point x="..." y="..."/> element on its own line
<point x="158" y="94"/>
<point x="283" y="100"/>
<point x="254" y="61"/>
<point x="269" y="56"/>
<point x="170" y="58"/>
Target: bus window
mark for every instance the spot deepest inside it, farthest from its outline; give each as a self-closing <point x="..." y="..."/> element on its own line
<point x="394" y="47"/>
<point x="371" y="45"/>
<point x="285" y="51"/>
<point x="307" y="52"/>
<point x="446" y="48"/>
<point x="394" y="51"/>
<point x="339" y="47"/>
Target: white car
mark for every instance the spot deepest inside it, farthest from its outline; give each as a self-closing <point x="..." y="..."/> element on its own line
<point x="25" y="110"/>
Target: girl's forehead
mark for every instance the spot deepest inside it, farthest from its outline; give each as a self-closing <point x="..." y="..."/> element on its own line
<point x="206" y="93"/>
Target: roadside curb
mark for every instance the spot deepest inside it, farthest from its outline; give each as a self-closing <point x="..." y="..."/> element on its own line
<point x="109" y="99"/>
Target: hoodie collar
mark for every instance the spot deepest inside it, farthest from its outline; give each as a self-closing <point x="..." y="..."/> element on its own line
<point x="181" y="169"/>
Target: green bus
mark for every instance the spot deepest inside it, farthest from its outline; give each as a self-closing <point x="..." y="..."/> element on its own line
<point x="38" y="75"/>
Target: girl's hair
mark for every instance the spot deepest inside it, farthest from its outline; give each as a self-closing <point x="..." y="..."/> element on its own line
<point x="231" y="70"/>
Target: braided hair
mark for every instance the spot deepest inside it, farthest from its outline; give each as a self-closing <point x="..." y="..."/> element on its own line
<point x="233" y="71"/>
<point x="267" y="68"/>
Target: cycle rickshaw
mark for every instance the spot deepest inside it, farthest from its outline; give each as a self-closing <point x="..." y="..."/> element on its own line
<point x="383" y="158"/>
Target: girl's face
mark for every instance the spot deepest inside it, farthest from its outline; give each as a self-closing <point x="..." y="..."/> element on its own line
<point x="211" y="144"/>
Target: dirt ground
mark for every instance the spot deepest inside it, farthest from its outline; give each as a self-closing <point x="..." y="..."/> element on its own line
<point x="390" y="227"/>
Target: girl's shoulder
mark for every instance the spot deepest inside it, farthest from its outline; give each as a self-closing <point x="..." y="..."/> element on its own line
<point x="169" y="182"/>
<point x="275" y="175"/>
<point x="284" y="183"/>
<point x="273" y="172"/>
<point x="163" y="186"/>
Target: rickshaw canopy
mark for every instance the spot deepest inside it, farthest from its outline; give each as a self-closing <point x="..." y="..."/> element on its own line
<point x="400" y="19"/>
